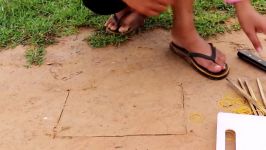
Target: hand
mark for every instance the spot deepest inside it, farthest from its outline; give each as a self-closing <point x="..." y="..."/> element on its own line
<point x="149" y="7"/>
<point x="251" y="22"/>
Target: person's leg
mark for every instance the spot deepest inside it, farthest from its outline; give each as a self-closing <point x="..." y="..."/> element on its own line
<point x="103" y="7"/>
<point x="185" y="35"/>
<point x="130" y="18"/>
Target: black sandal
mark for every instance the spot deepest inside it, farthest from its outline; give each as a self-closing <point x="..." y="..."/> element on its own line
<point x="190" y="58"/>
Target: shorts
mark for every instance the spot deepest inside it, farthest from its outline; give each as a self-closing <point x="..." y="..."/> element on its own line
<point x="105" y="7"/>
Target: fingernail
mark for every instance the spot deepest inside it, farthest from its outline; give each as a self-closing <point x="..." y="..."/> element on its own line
<point x="259" y="49"/>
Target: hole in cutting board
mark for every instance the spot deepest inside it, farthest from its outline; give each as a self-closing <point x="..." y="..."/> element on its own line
<point x="230" y="140"/>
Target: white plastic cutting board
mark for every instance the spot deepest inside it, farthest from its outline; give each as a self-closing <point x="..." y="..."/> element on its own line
<point x="250" y="131"/>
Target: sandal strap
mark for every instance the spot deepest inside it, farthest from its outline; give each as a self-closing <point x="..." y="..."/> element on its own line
<point x="116" y="19"/>
<point x="212" y="57"/>
<point x="192" y="55"/>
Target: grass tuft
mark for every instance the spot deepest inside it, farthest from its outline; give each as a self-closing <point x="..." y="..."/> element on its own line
<point x="35" y="56"/>
<point x="102" y="39"/>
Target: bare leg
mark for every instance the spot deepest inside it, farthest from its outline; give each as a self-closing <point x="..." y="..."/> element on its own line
<point x="185" y="35"/>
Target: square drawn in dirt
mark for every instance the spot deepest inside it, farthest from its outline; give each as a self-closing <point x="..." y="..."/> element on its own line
<point x="145" y="102"/>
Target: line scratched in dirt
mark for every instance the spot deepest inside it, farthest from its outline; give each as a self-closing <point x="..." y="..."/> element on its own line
<point x="61" y="114"/>
<point x="183" y="103"/>
<point x="183" y="95"/>
<point x="121" y="136"/>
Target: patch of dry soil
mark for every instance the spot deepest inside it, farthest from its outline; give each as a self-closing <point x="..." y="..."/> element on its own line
<point x="137" y="96"/>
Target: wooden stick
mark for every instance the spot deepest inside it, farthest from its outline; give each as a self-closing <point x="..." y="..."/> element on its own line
<point x="246" y="95"/>
<point x="252" y="94"/>
<point x="250" y="104"/>
<point x="261" y="92"/>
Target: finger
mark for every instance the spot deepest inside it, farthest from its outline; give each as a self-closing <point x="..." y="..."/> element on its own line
<point x="261" y="25"/>
<point x="152" y="10"/>
<point x="159" y="8"/>
<point x="264" y="30"/>
<point x="254" y="40"/>
<point x="260" y="30"/>
<point x="165" y="2"/>
<point x="172" y="2"/>
<point x="152" y="13"/>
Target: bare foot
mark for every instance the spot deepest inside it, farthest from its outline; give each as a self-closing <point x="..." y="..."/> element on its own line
<point x="194" y="43"/>
<point x="130" y="20"/>
<point x="133" y="21"/>
<point x="111" y="23"/>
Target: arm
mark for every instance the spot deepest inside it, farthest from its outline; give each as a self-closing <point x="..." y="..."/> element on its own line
<point x="251" y="22"/>
<point x="148" y="7"/>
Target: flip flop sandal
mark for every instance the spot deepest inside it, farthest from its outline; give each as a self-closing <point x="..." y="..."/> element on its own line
<point x="189" y="56"/>
<point x="131" y="30"/>
<point x="118" y="22"/>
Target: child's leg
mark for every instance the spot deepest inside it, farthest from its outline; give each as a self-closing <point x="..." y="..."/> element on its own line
<point x="185" y="35"/>
<point x="130" y="18"/>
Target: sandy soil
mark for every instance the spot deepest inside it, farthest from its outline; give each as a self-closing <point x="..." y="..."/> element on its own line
<point x="138" y="96"/>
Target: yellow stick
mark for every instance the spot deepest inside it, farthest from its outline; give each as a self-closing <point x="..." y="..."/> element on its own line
<point x="250" y="104"/>
<point x="261" y="92"/>
<point x="252" y="94"/>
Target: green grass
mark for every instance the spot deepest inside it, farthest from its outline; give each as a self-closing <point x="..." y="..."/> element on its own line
<point x="37" y="23"/>
<point x="35" y="56"/>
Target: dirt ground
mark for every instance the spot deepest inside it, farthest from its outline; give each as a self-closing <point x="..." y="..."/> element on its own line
<point x="139" y="96"/>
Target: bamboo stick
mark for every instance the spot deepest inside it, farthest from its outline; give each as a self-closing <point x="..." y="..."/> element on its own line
<point x="250" y="104"/>
<point x="252" y="94"/>
<point x="246" y="95"/>
<point x="261" y="92"/>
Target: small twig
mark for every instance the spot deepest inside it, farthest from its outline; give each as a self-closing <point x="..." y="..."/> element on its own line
<point x="261" y="92"/>
<point x="250" y="104"/>
<point x="252" y="94"/>
<point x="246" y="95"/>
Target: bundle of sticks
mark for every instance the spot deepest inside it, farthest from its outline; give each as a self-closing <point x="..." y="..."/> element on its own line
<point x="258" y="107"/>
